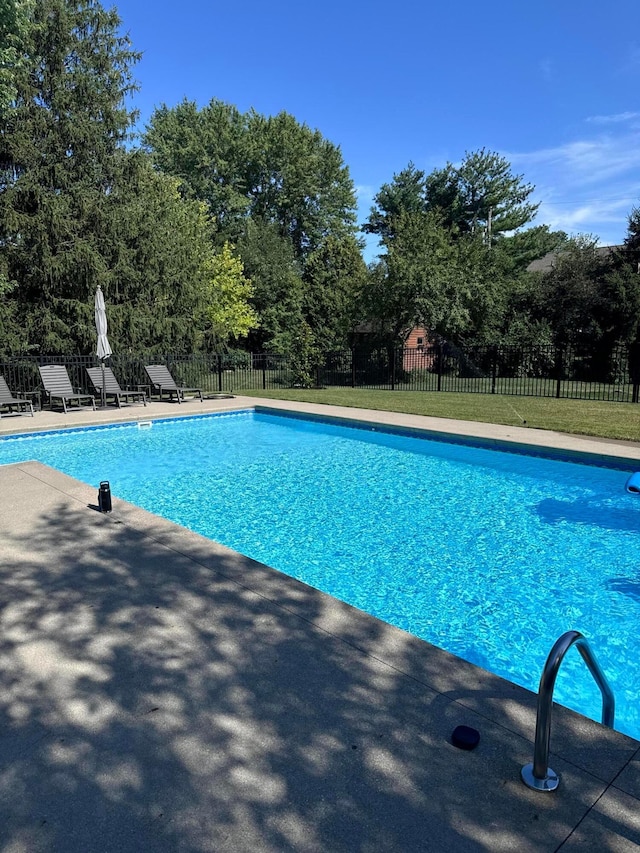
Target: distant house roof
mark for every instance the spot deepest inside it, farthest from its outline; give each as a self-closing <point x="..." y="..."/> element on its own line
<point x="545" y="263"/>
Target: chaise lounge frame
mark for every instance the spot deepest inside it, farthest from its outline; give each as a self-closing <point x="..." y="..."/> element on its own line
<point x="112" y="387"/>
<point x="7" y="400"/>
<point x="164" y="383"/>
<point x="57" y="384"/>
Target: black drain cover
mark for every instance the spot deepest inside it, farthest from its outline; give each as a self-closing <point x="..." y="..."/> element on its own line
<point x="464" y="737"/>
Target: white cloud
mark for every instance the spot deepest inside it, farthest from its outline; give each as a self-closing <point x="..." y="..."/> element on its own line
<point x="601" y="218"/>
<point x="588" y="185"/>
<point x="614" y="119"/>
<point x="586" y="161"/>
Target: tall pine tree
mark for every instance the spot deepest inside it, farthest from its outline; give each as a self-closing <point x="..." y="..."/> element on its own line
<point x="60" y="158"/>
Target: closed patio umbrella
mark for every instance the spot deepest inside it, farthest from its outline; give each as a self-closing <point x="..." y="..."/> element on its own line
<point x="103" y="349"/>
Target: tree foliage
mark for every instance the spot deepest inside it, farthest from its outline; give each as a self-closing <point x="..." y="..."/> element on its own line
<point x="461" y="230"/>
<point x="404" y="195"/>
<point x="334" y="277"/>
<point x="238" y="225"/>
<point x="14" y="22"/>
<point x="591" y="296"/>
<point x="270" y="262"/>
<point x="632" y="240"/>
<point x="160" y="260"/>
<point x="207" y="150"/>
<point x="481" y="196"/>
<point x="270" y="169"/>
<point x="228" y="307"/>
<point x="77" y="209"/>
<point x="59" y="156"/>
<point x="419" y="281"/>
<point x="282" y="194"/>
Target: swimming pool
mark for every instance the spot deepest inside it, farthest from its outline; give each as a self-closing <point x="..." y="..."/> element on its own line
<point x="488" y="554"/>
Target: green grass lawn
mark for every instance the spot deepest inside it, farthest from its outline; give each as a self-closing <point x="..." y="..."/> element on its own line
<point x="579" y="417"/>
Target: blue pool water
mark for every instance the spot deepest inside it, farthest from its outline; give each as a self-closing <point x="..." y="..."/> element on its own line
<point x="490" y="555"/>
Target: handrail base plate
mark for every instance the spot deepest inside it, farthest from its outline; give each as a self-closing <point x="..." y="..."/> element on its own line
<point x="549" y="783"/>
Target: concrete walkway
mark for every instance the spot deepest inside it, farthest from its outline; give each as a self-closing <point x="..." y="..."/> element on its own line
<point x="162" y="693"/>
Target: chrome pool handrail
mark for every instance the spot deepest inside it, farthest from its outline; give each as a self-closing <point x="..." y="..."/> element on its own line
<point x="538" y="775"/>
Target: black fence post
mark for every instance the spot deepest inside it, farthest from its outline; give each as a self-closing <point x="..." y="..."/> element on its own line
<point x="559" y="371"/>
<point x="393" y="368"/>
<point x="264" y="372"/>
<point x="353" y="368"/>
<point x="219" y="358"/>
<point x="634" y="370"/>
<point x="440" y="365"/>
<point x="494" y="368"/>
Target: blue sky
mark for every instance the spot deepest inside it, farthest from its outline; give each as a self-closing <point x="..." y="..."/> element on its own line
<point x="552" y="86"/>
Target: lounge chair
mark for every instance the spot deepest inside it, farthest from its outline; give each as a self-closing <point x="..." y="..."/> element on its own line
<point x="112" y="388"/>
<point x="58" y="385"/>
<point x="7" y="400"/>
<point x="164" y="383"/>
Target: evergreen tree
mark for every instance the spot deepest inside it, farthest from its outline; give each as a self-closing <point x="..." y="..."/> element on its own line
<point x="59" y="160"/>
<point x="632" y="240"/>
<point x="14" y="21"/>
<point x="481" y="196"/>
<point x="77" y="209"/>
<point x="405" y="194"/>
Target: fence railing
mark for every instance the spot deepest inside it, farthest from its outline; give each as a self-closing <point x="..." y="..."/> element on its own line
<point x="611" y="373"/>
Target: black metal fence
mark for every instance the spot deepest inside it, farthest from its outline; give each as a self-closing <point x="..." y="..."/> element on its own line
<point x="611" y="373"/>
<point x="542" y="371"/>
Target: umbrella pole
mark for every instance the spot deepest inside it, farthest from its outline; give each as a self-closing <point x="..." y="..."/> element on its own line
<point x="104" y="393"/>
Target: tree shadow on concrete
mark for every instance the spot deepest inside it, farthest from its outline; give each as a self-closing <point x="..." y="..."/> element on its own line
<point x="156" y="700"/>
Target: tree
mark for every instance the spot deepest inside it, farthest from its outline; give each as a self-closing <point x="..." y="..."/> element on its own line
<point x="271" y="169"/>
<point x="208" y="151"/>
<point x="481" y="196"/>
<point x="479" y="206"/>
<point x="14" y="21"/>
<point x="571" y="292"/>
<point x="298" y="182"/>
<point x="161" y="282"/>
<point x="228" y="306"/>
<point x="334" y="276"/>
<point x="269" y="262"/>
<point x="59" y="159"/>
<point x="405" y="194"/>
<point x="77" y="209"/>
<point x="420" y="281"/>
<point x="516" y="251"/>
<point x="632" y="240"/>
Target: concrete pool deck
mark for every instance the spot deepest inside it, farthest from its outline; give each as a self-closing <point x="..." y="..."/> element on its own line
<point x="163" y="693"/>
